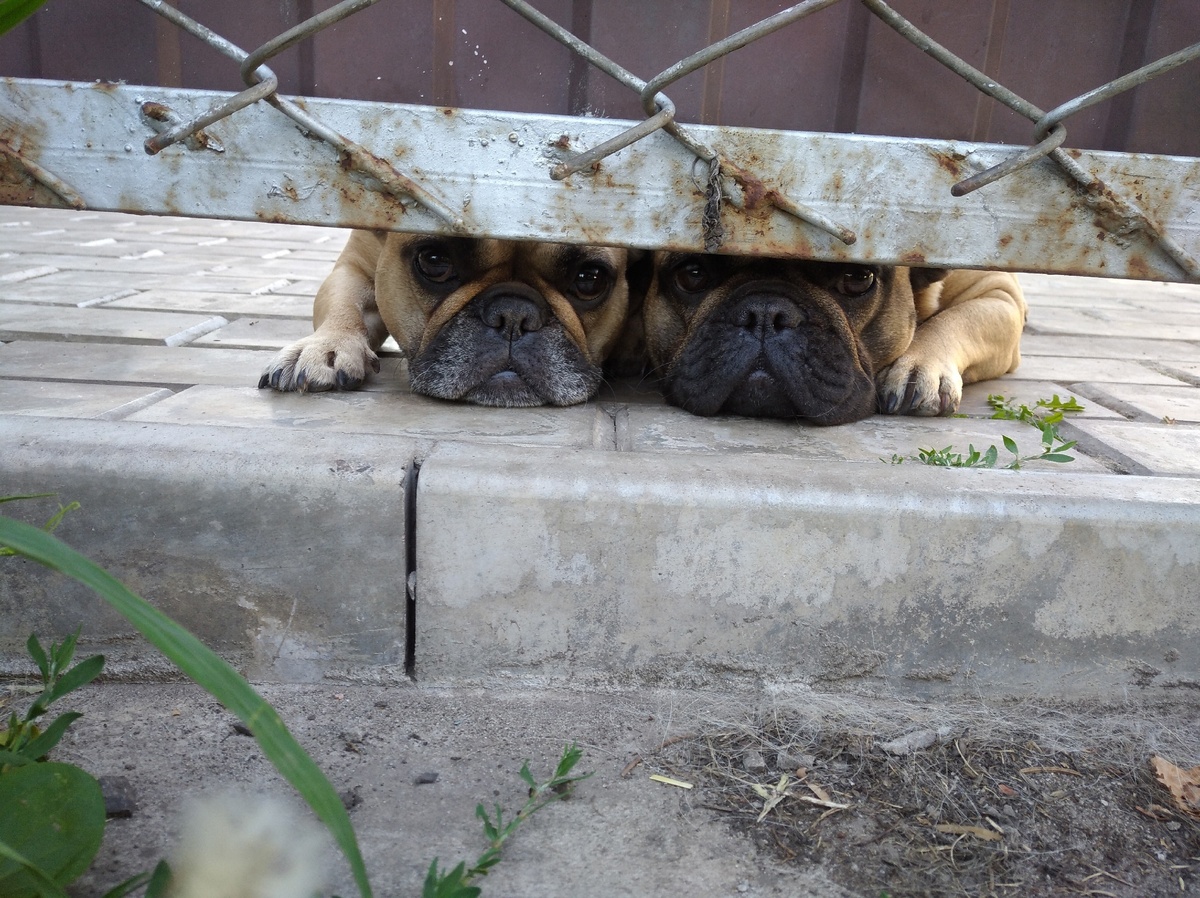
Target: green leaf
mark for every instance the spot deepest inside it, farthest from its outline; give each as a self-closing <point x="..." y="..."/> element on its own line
<point x="1056" y="456"/>
<point x="79" y="675"/>
<point x="13" y="759"/>
<point x="489" y="830"/>
<point x="989" y="457"/>
<point x="160" y="879"/>
<point x="12" y="14"/>
<point x="1010" y="444"/>
<point x="448" y="885"/>
<point x="62" y="655"/>
<point x="525" y="775"/>
<point x="132" y="884"/>
<point x="46" y="887"/>
<point x="57" y="830"/>
<point x="39" y="657"/>
<point x="50" y="736"/>
<point x="209" y="671"/>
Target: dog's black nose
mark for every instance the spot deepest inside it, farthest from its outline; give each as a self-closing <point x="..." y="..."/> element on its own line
<point x="512" y="313"/>
<point x="766" y="314"/>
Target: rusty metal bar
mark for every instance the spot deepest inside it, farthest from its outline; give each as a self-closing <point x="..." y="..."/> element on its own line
<point x="730" y="195"/>
<point x="495" y="164"/>
<point x="1119" y="213"/>
<point x="392" y="181"/>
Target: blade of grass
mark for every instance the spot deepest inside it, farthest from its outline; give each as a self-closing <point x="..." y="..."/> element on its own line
<point x="49" y="888"/>
<point x="209" y="671"/>
<point x="13" y="12"/>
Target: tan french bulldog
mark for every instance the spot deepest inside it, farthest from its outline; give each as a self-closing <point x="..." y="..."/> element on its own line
<point x="827" y="342"/>
<point x="492" y="322"/>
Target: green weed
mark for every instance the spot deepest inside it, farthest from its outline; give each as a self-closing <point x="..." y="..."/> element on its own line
<point x="457" y="883"/>
<point x="1045" y="416"/>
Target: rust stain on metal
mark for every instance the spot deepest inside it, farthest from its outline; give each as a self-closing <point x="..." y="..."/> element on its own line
<point x="1139" y="268"/>
<point x="913" y="258"/>
<point x="755" y="194"/>
<point x="949" y="162"/>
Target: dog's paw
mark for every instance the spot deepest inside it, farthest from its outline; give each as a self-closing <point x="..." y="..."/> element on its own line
<point x="913" y="386"/>
<point x="321" y="362"/>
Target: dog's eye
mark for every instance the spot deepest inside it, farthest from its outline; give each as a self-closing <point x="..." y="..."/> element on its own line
<point x="434" y="264"/>
<point x="591" y="282"/>
<point x="855" y="281"/>
<point x="691" y="277"/>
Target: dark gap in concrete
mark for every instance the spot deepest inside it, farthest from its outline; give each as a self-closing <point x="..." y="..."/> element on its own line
<point x="410" y="567"/>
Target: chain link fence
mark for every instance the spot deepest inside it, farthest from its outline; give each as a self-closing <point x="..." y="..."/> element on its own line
<point x="655" y="183"/>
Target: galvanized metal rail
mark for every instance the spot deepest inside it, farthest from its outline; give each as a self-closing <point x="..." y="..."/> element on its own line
<point x="654" y="184"/>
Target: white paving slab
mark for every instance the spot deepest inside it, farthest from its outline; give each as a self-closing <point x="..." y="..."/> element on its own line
<point x="24" y="321"/>
<point x="1154" y="448"/>
<point x="71" y="400"/>
<point x="1180" y="404"/>
<point x="392" y="412"/>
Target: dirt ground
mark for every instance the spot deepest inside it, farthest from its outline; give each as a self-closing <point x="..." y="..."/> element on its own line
<point x="882" y="797"/>
<point x="1004" y="801"/>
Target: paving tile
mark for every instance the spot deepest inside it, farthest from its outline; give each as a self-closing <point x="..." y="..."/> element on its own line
<point x="1049" y="285"/>
<point x="1189" y="373"/>
<point x="1157" y="448"/>
<point x="133" y="364"/>
<point x="1024" y="392"/>
<point x="228" y="305"/>
<point x="258" y="333"/>
<point x="68" y="400"/>
<point x="256" y="285"/>
<point x="1137" y="324"/>
<point x="24" y="321"/>
<point x="1180" y="403"/>
<point x="150" y="262"/>
<point x="667" y="430"/>
<point x="1063" y="370"/>
<point x="1073" y="346"/>
<point x="397" y="413"/>
<point x="88" y="284"/>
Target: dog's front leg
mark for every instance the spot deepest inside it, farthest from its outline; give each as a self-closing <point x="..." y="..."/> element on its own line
<point x="347" y="327"/>
<point x="973" y="334"/>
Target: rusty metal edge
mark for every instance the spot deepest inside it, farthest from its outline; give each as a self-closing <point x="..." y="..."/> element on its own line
<point x="493" y="169"/>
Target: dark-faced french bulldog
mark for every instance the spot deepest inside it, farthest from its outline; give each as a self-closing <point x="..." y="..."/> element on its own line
<point x="493" y="322"/>
<point x="828" y="342"/>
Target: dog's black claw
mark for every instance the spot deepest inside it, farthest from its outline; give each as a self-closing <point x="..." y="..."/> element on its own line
<point x="346" y="382"/>
<point x="910" y="393"/>
<point x="265" y="380"/>
<point x="302" y="382"/>
<point x="889" y="404"/>
<point x="375" y="365"/>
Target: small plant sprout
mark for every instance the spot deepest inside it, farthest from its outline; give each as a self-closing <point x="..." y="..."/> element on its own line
<point x="1045" y="416"/>
<point x="457" y="883"/>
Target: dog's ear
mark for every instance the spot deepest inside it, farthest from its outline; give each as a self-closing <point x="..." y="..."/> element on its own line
<point x="927" y="290"/>
<point x="629" y="356"/>
<point x="920" y="278"/>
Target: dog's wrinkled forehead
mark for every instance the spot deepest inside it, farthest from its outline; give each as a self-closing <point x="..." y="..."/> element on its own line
<point x="485" y="255"/>
<point x="741" y="268"/>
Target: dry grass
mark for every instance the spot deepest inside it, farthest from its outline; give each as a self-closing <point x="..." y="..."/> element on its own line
<point x="1005" y="800"/>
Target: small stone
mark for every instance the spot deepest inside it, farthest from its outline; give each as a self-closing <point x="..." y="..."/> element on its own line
<point x="424" y="779"/>
<point x="753" y="761"/>
<point x="789" y="763"/>
<point x="119" y="798"/>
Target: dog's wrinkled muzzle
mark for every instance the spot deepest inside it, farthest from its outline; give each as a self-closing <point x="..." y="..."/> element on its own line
<point x="766" y="351"/>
